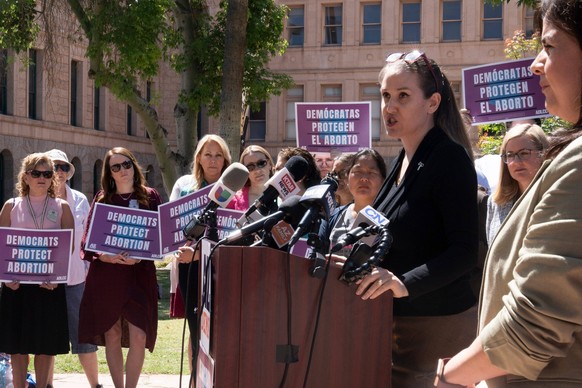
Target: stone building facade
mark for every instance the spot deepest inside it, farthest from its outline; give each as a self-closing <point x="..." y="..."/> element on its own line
<point x="336" y="51"/>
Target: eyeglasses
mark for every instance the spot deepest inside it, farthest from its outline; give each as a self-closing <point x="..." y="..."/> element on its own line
<point x="342" y="174"/>
<point x="62" y="167"/>
<point x="126" y="166"/>
<point x="36" y="174"/>
<point x="521" y="155"/>
<point x="411" y="58"/>
<point x="260" y="164"/>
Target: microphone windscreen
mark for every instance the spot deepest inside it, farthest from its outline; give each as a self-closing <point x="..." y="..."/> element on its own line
<point x="293" y="208"/>
<point x="329" y="180"/>
<point x="235" y="176"/>
<point x="297" y="167"/>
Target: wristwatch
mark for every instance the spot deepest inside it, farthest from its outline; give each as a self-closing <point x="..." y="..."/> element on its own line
<point x="439" y="380"/>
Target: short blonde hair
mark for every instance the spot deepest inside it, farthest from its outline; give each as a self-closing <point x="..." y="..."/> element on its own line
<point x="30" y="162"/>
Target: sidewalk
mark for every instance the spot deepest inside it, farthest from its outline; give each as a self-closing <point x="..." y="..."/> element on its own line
<point x="78" y="380"/>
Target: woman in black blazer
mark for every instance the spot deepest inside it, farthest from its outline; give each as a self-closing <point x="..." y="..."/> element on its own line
<point x="429" y="196"/>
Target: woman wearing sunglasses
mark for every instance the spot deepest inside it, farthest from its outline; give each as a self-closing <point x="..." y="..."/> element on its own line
<point x="34" y="316"/>
<point x="120" y="303"/>
<point x="87" y="353"/>
<point x="211" y="158"/>
<point x="522" y="154"/>
<point x="260" y="165"/>
<point x="429" y="198"/>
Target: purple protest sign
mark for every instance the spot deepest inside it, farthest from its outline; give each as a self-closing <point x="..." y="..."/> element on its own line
<point x="333" y="126"/>
<point x="503" y="91"/>
<point x="115" y="229"/>
<point x="35" y="256"/>
<point x="226" y="221"/>
<point x="176" y="214"/>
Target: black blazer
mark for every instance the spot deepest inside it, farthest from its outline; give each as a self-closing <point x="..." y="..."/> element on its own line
<point x="433" y="220"/>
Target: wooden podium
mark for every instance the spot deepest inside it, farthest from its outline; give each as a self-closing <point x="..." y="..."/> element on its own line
<point x="249" y="324"/>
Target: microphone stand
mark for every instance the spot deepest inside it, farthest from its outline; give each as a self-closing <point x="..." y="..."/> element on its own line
<point x="317" y="269"/>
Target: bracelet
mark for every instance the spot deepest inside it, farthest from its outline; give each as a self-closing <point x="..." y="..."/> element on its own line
<point x="439" y="380"/>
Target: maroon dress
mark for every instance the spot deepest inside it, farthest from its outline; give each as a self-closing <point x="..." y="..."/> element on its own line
<point x="114" y="291"/>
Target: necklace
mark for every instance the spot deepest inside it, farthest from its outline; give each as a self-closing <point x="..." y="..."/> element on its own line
<point x="34" y="215"/>
<point x="127" y="197"/>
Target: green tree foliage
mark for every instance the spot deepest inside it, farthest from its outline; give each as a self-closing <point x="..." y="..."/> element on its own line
<point x="17" y="24"/>
<point x="127" y="40"/>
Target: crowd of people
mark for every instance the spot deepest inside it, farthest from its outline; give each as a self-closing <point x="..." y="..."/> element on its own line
<point x="525" y="314"/>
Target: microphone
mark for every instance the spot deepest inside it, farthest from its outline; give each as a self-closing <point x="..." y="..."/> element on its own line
<point x="320" y="201"/>
<point x="223" y="191"/>
<point x="290" y="207"/>
<point x="283" y="183"/>
<point x="367" y="218"/>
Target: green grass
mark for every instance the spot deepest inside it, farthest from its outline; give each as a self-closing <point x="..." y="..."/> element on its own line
<point x="165" y="358"/>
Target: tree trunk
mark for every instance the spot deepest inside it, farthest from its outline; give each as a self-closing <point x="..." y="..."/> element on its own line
<point x="231" y="107"/>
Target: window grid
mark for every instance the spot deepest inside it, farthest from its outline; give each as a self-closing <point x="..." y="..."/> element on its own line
<point x="97" y="109"/>
<point x="74" y="85"/>
<point x="452" y="10"/>
<point x="370" y="92"/>
<point x="411" y="22"/>
<point x="372" y="23"/>
<point x="296" y="26"/>
<point x="3" y="82"/>
<point x="492" y="22"/>
<point x="258" y="123"/>
<point x="32" y="84"/>
<point x="333" y="25"/>
<point x="528" y="21"/>
<point x="331" y="93"/>
<point x="294" y="95"/>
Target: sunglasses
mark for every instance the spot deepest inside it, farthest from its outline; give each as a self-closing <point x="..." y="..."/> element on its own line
<point x="260" y="164"/>
<point x="411" y="58"/>
<point x="36" y="174"/>
<point x="117" y="167"/>
<point x="62" y="167"/>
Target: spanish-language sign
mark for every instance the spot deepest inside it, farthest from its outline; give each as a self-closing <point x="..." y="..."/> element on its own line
<point x="175" y="215"/>
<point x="35" y="256"/>
<point x="504" y="91"/>
<point x="226" y="221"/>
<point x="333" y="126"/>
<point x="116" y="229"/>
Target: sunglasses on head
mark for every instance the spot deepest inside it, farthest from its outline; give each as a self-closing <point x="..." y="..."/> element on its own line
<point x="260" y="164"/>
<point x="36" y="174"/>
<point x="126" y="166"/>
<point x="411" y="58"/>
<point x="62" y="167"/>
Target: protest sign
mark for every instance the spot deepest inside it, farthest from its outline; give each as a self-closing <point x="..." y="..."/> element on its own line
<point x="504" y="91"/>
<point x="115" y="229"/>
<point x="35" y="256"/>
<point x="333" y="126"/>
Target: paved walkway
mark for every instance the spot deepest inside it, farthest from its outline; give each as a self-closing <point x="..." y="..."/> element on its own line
<point x="78" y="380"/>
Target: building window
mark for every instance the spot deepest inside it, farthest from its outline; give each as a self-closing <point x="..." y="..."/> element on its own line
<point x="129" y="120"/>
<point x="3" y="82"/>
<point x="371" y="93"/>
<point x="74" y="89"/>
<point x="258" y="123"/>
<point x="333" y="25"/>
<point x="294" y="95"/>
<point x="492" y="22"/>
<point x="372" y="23"/>
<point x="452" y="20"/>
<point x="411" y="22"/>
<point x="332" y="93"/>
<point x="97" y="169"/>
<point x="296" y="26"/>
<point x="97" y="109"/>
<point x="32" y="84"/>
<point x="528" y="21"/>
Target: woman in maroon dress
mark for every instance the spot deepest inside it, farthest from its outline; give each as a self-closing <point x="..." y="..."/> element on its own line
<point x="119" y="306"/>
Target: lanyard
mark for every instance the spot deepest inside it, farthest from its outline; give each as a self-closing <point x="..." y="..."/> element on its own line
<point x="32" y="212"/>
